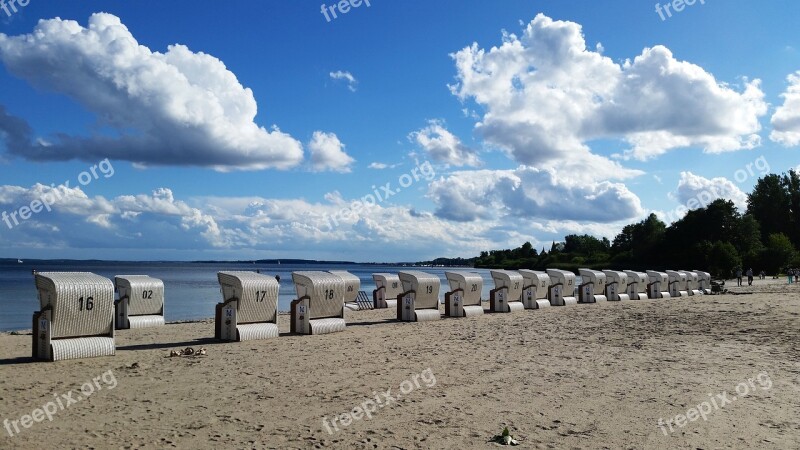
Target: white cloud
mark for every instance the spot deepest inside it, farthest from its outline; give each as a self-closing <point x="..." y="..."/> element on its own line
<point x="381" y="166"/>
<point x="695" y="191"/>
<point x="173" y="108"/>
<point x="443" y="146"/>
<point x="786" y="120"/>
<point x="546" y="95"/>
<point x="327" y="153"/>
<point x="529" y="193"/>
<point x="345" y="76"/>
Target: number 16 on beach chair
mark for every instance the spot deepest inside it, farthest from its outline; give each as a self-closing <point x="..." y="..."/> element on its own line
<point x="76" y="319"/>
<point x="249" y="308"/>
<point x="319" y="308"/>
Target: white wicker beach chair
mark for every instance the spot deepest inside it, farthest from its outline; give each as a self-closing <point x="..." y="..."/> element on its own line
<point x="249" y="308"/>
<point x="658" y="286"/>
<point x="141" y="301"/>
<point x="704" y="281"/>
<point x="637" y="285"/>
<point x="507" y="293"/>
<point x="593" y="286"/>
<point x="692" y="283"/>
<point x="76" y="319"/>
<point x="562" y="288"/>
<point x="419" y="301"/>
<point x="677" y="283"/>
<point x="352" y="284"/>
<point x="387" y="288"/>
<point x="464" y="298"/>
<point x="616" y="285"/>
<point x="319" y="307"/>
<point x="535" y="286"/>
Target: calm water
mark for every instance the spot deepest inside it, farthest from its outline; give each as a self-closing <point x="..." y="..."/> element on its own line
<point x="192" y="289"/>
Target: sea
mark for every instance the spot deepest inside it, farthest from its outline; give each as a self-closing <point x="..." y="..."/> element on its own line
<point x="191" y="288"/>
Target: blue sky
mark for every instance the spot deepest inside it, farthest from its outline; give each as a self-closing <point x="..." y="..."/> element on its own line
<point x="521" y="120"/>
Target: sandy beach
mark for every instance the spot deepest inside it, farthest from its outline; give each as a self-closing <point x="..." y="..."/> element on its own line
<point x="589" y="376"/>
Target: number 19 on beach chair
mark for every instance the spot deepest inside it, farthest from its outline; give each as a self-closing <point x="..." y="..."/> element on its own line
<point x="249" y="308"/>
<point x="76" y="319"/>
<point x="419" y="301"/>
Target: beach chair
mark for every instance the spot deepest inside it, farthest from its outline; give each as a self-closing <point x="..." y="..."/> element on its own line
<point x="637" y="285"/>
<point x="562" y="288"/>
<point x="464" y="298"/>
<point x="351" y="286"/>
<point x="593" y="286"/>
<point x="140" y="303"/>
<point x="507" y="293"/>
<point x="616" y="286"/>
<point x="76" y="319"/>
<point x="692" y="283"/>
<point x="419" y="301"/>
<point x="387" y="288"/>
<point x="704" y="281"/>
<point x="534" y="289"/>
<point x="658" y="284"/>
<point x="319" y="307"/>
<point x="249" y="308"/>
<point x="677" y="283"/>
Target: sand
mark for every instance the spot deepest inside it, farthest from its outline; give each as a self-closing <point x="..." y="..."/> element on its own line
<point x="588" y="376"/>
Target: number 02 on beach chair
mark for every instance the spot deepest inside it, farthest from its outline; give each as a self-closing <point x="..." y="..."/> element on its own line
<point x="249" y="308"/>
<point x="141" y="301"/>
<point x="77" y="316"/>
<point x="319" y="308"/>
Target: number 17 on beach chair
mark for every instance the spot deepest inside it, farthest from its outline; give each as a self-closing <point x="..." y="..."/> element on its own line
<point x="76" y="319"/>
<point x="249" y="308"/>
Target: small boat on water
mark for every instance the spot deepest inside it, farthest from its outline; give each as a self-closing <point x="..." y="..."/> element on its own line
<point x="19" y="261"/>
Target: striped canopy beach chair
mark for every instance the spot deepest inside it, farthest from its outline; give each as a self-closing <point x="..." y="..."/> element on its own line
<point x="534" y="289"/>
<point x="249" y="308"/>
<point x="141" y="301"/>
<point x="319" y="307"/>
<point x="76" y="319"/>
<point x="464" y="298"/>
<point x="419" y="301"/>
<point x="507" y="293"/>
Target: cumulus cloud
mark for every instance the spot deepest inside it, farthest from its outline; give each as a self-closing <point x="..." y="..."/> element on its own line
<point x="174" y="108"/>
<point x="786" y="120"/>
<point x="341" y="75"/>
<point x="443" y="146"/>
<point x="695" y="191"/>
<point x="546" y="95"/>
<point x="531" y="193"/>
<point x="327" y="153"/>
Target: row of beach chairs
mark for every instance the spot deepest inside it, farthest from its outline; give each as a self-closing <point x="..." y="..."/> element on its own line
<point x="79" y="312"/>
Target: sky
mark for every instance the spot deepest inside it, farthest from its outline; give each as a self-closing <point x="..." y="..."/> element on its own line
<point x="380" y="131"/>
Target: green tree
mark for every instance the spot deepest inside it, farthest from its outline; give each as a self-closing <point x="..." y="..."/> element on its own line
<point x="778" y="253"/>
<point x="769" y="204"/>
<point x="723" y="259"/>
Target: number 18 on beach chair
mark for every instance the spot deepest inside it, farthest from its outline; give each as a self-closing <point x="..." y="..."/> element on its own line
<point x="76" y="319"/>
<point x="319" y="308"/>
<point x="249" y="308"/>
<point x="141" y="301"/>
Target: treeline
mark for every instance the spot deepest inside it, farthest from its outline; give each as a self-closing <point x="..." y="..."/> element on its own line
<point x="716" y="238"/>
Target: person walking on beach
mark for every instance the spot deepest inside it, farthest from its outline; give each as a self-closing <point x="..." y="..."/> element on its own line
<point x="750" y="276"/>
<point x="738" y="276"/>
